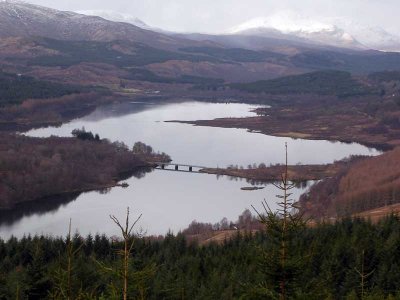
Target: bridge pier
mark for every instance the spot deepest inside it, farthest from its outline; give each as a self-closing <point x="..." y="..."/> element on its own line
<point x="171" y="166"/>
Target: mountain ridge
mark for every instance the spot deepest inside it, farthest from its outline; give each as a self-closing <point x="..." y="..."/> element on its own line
<point x="306" y="31"/>
<point x="335" y="32"/>
<point x="25" y="20"/>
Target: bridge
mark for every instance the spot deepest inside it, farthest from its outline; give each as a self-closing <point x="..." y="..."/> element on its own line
<point x="178" y="167"/>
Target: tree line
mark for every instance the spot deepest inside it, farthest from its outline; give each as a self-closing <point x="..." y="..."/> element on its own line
<point x="350" y="259"/>
<point x="15" y="88"/>
<point x="172" y="268"/>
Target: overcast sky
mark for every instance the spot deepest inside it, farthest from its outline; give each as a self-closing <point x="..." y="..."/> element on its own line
<point x="220" y="15"/>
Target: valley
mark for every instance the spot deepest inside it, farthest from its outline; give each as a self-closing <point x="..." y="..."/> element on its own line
<point x="202" y="146"/>
<point x="256" y="161"/>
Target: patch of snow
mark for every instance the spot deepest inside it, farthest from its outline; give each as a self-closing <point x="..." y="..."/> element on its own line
<point x="294" y="25"/>
<point x="115" y="17"/>
<point x="371" y="36"/>
<point x="285" y="22"/>
<point x="333" y="31"/>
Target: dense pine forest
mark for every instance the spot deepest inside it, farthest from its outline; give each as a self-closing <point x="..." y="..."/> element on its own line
<point x="14" y="89"/>
<point x="351" y="259"/>
<point x="337" y="83"/>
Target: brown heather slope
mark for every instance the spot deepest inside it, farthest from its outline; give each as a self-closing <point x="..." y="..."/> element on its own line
<point x="231" y="72"/>
<point x="26" y="20"/>
<point x="366" y="185"/>
<point x="96" y="74"/>
<point x="325" y="118"/>
<point x="379" y="213"/>
<point x="328" y="105"/>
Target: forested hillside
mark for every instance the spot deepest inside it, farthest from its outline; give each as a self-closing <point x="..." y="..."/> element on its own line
<point x="170" y="268"/>
<point x="119" y="53"/>
<point x="33" y="168"/>
<point x="369" y="183"/>
<point x="337" y="83"/>
<point x="14" y="89"/>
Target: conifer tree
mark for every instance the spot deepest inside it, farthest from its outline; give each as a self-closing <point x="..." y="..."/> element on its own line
<point x="363" y="275"/>
<point x="133" y="282"/>
<point x="64" y="285"/>
<point x="280" y="258"/>
<point x="128" y="246"/>
<point x="37" y="282"/>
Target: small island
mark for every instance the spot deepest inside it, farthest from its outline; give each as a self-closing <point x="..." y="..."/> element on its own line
<point x="251" y="188"/>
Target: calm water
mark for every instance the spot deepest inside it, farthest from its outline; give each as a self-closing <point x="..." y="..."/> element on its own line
<point x="205" y="146"/>
<point x="171" y="200"/>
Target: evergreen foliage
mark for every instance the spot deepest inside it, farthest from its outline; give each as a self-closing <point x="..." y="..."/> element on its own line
<point x="235" y="54"/>
<point x="229" y="270"/>
<point x="14" y="89"/>
<point x="281" y="262"/>
<point x="385" y="76"/>
<point x="147" y="75"/>
<point x="337" y="83"/>
<point x="134" y="54"/>
<point x="84" y="135"/>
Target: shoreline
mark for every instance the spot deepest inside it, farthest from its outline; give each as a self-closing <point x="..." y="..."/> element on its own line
<point x="123" y="176"/>
<point x="243" y="123"/>
<point x="274" y="120"/>
<point x="298" y="173"/>
<point x="77" y="166"/>
<point x="79" y="191"/>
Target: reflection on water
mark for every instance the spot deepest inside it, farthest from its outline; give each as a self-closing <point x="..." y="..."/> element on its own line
<point x="39" y="208"/>
<point x="50" y="205"/>
<point x="204" y="146"/>
<point x="171" y="200"/>
<point x="167" y="200"/>
<point x="297" y="184"/>
<point x="156" y="111"/>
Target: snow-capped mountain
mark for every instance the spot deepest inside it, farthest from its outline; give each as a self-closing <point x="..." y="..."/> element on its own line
<point x="338" y="32"/>
<point x="116" y="17"/>
<point x="373" y="37"/>
<point x="292" y="26"/>
<point x="21" y="19"/>
<point x="379" y="38"/>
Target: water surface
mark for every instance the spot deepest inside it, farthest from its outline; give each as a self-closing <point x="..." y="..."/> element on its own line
<point x="205" y="146"/>
<point x="171" y="200"/>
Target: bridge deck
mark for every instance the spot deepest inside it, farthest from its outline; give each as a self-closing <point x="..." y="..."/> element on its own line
<point x="179" y="165"/>
<point x="182" y="171"/>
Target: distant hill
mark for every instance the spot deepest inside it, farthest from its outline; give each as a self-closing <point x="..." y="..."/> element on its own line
<point x="385" y="76"/>
<point x="337" y="83"/>
<point x="368" y="184"/>
<point x="14" y="89"/>
<point x="310" y="32"/>
<point x="338" y="32"/>
<point x="27" y="20"/>
<point x="39" y="40"/>
<point x="116" y="17"/>
<point x="119" y="53"/>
